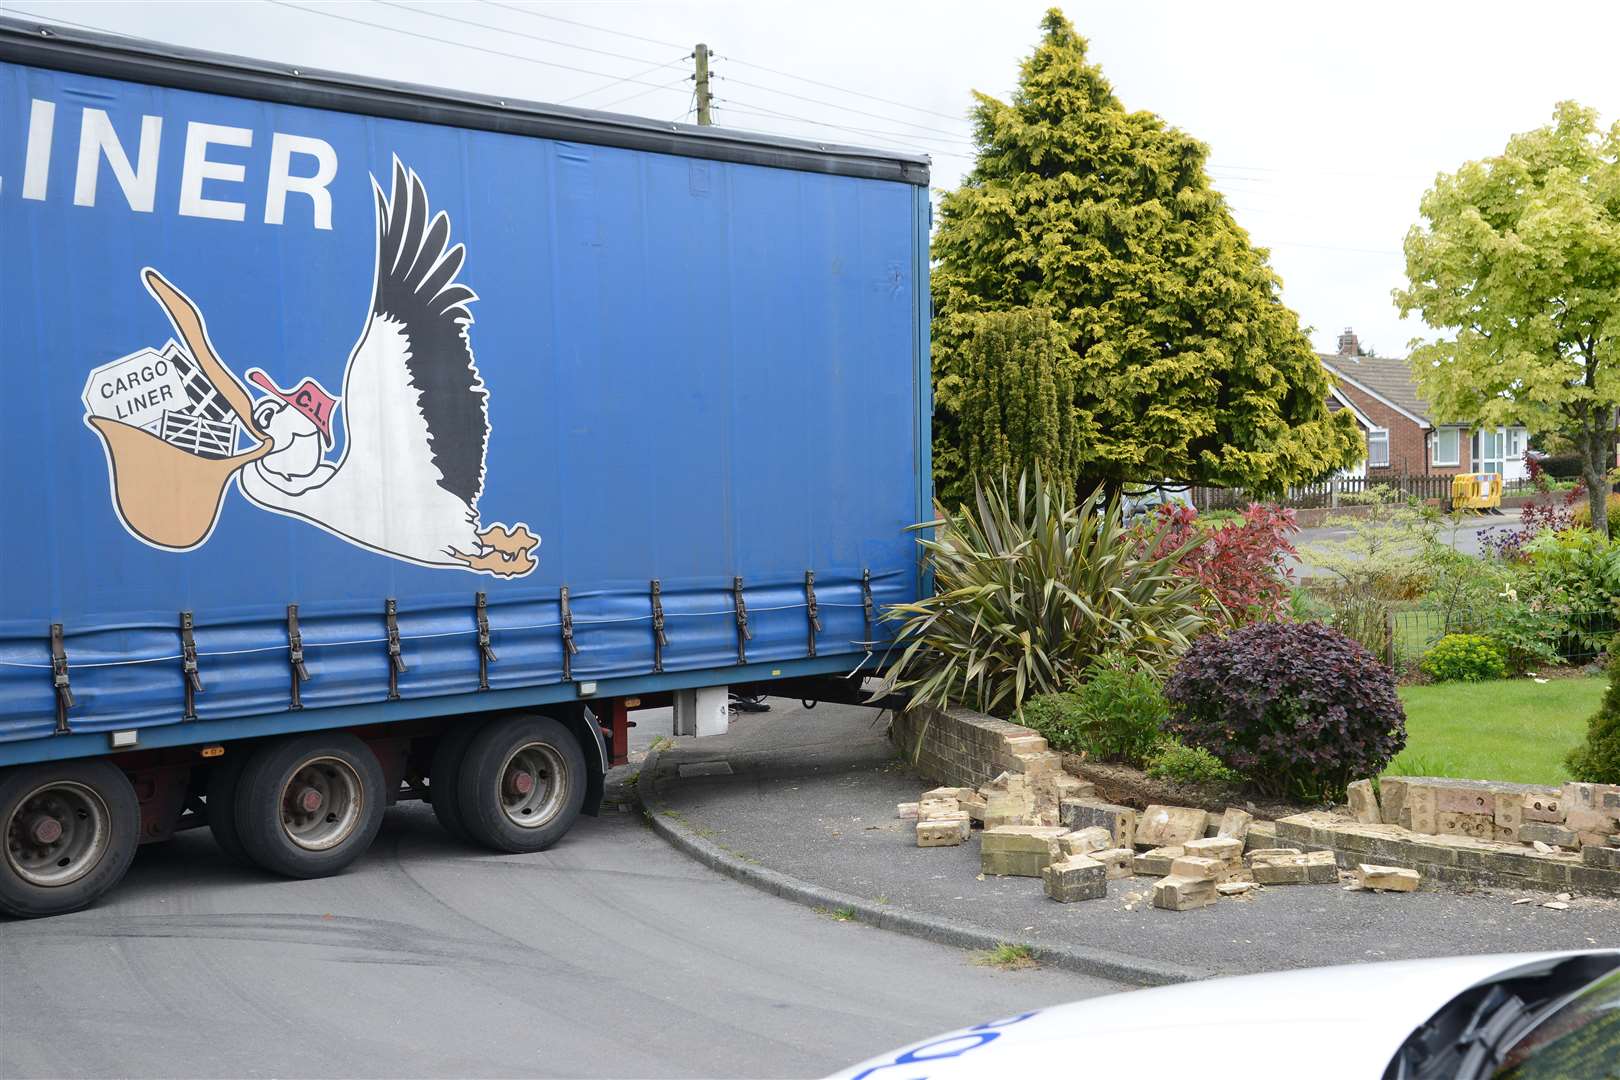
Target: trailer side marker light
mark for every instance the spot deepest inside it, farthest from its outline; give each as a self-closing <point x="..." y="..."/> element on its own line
<point x="121" y="739"/>
<point x="213" y="751"/>
<point x="586" y="689"/>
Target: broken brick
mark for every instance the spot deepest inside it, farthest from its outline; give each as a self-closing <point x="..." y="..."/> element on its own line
<point x="1075" y="878"/>
<point x="1221" y="848"/>
<point x="944" y="832"/>
<point x="1085" y="841"/>
<point x="1120" y="821"/>
<point x="1386" y="878"/>
<point x="1363" y="803"/>
<point x="1547" y="833"/>
<point x="1117" y="862"/>
<point x="1199" y="869"/>
<point x="1157" y="862"/>
<point x="1235" y="823"/>
<point x="1162" y="825"/>
<point x="1019" y="850"/>
<point x="1183" y="894"/>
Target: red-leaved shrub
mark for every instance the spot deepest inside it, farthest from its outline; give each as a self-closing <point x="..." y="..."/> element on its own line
<point x="1242" y="565"/>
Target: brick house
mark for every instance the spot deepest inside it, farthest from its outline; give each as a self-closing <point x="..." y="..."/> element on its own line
<point x="1403" y="438"/>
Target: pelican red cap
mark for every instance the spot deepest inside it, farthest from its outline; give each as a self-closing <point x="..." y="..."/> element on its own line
<point x="308" y="397"/>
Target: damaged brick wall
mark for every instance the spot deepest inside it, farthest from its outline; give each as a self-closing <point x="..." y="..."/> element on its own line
<point x="965" y="748"/>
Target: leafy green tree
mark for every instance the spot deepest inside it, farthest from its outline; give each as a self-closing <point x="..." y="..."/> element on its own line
<point x="1517" y="263"/>
<point x="1017" y="400"/>
<point x="1187" y="366"/>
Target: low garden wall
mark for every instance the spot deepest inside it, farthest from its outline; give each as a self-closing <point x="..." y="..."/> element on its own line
<point x="963" y="748"/>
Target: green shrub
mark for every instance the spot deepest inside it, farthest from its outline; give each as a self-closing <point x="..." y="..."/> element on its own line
<point x="1597" y="760"/>
<point x="1581" y="516"/>
<point x="1188" y="765"/>
<point x="1122" y="710"/>
<point x="1057" y="718"/>
<point x="1299" y="709"/>
<point x="1529" y="635"/>
<point x="1464" y="658"/>
<point x="1029" y="588"/>
<point x="1114" y="715"/>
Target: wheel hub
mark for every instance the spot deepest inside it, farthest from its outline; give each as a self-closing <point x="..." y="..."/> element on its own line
<point x="57" y="834"/>
<point x="322" y="803"/>
<point x="534" y="785"/>
<point x="45" y="829"/>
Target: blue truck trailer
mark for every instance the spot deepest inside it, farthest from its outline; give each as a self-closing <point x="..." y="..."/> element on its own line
<point x="365" y="442"/>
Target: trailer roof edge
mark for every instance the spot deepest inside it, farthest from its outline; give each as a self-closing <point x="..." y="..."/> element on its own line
<point x="40" y="43"/>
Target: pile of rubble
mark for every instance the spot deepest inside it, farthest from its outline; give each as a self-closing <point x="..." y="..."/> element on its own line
<point x="1052" y="827"/>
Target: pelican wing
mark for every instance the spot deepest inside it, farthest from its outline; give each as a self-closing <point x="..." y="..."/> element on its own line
<point x="414" y="357"/>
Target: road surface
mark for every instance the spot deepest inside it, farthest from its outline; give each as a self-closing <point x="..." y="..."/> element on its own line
<point x="611" y="955"/>
<point x="1464" y="537"/>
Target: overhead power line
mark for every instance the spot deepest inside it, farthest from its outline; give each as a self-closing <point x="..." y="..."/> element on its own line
<point x="844" y="108"/>
<point x="629" y="78"/>
<point x="574" y="22"/>
<point x="754" y="109"/>
<point x="460" y="44"/>
<point x="842" y="89"/>
<point x="638" y="94"/>
<point x="462" y="21"/>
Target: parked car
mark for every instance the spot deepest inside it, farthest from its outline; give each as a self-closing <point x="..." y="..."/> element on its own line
<point x="1530" y="1016"/>
<point x="1139" y="501"/>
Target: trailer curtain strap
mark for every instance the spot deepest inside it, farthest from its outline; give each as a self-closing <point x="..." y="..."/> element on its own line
<point x="659" y="639"/>
<point x="59" y="677"/>
<point x="569" y="648"/>
<point x="188" y="665"/>
<point x="744" y="635"/>
<point x="295" y="657"/>
<point x="486" y="653"/>
<point x="811" y="610"/>
<point x="396" y="658"/>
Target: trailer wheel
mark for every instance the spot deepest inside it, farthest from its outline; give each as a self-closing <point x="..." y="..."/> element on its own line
<point x="221" y="795"/>
<point x="309" y="805"/>
<point x="522" y="783"/>
<point x="443" y="786"/>
<point x="70" y="830"/>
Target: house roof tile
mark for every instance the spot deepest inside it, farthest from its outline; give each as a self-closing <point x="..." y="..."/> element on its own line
<point x="1389" y="377"/>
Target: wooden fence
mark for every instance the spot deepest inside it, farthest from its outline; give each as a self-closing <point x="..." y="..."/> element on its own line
<point x="1330" y="493"/>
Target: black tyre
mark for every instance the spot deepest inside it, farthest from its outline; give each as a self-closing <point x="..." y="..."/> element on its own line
<point x="220" y="792"/>
<point x="444" y="777"/>
<point x="69" y="830"/>
<point x="521" y="785"/>
<point x="309" y="805"/>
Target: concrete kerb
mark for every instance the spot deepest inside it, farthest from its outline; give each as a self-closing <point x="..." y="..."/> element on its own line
<point x="1102" y="963"/>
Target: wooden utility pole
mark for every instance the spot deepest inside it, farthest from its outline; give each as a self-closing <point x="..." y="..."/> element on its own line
<point x="704" y="98"/>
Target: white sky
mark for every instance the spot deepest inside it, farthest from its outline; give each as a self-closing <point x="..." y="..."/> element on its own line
<point x="1326" y="122"/>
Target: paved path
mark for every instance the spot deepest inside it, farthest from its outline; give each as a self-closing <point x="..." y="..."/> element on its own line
<point x="611" y="955"/>
<point x="813" y="795"/>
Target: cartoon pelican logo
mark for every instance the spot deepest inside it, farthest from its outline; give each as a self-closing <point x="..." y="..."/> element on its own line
<point x="413" y="419"/>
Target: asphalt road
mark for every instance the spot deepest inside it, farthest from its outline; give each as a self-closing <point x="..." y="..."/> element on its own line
<point x="1464" y="537"/>
<point x="610" y="955"/>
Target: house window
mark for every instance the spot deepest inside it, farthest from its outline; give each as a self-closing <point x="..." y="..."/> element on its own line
<point x="1378" y="447"/>
<point x="1515" y="443"/>
<point x="1447" y="444"/>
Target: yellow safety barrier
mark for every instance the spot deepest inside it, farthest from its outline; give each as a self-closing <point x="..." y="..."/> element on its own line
<point x="1476" y="491"/>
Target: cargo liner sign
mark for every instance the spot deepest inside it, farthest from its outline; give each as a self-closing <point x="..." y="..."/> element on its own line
<point x="403" y="481"/>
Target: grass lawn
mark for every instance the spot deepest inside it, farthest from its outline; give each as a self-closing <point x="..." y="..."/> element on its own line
<point x="1512" y="729"/>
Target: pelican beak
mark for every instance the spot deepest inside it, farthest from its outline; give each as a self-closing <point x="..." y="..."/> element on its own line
<point x="188" y="323"/>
